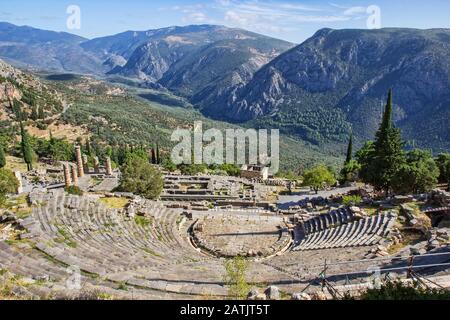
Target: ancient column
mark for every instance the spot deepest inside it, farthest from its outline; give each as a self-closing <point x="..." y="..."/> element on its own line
<point x="19" y="178"/>
<point x="67" y="179"/>
<point x="85" y="164"/>
<point x="79" y="161"/>
<point x="109" y="171"/>
<point x="74" y="176"/>
<point x="96" y="165"/>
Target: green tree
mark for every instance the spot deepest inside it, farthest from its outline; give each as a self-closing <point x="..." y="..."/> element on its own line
<point x="443" y="162"/>
<point x="17" y="109"/>
<point x="27" y="152"/>
<point x="2" y="157"/>
<point x="230" y="169"/>
<point x="235" y="277"/>
<point x="349" y="150"/>
<point x="34" y="114"/>
<point x="142" y="178"/>
<point x="136" y="153"/>
<point x="364" y="158"/>
<point x="419" y="174"/>
<point x="318" y="178"/>
<point x="382" y="164"/>
<point x="122" y="154"/>
<point x="115" y="154"/>
<point x="349" y="172"/>
<point x="53" y="148"/>
<point x="61" y="150"/>
<point x="41" y="112"/>
<point x="8" y="184"/>
<point x="88" y="147"/>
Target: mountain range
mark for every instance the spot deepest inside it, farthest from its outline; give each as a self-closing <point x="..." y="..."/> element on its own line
<point x="319" y="91"/>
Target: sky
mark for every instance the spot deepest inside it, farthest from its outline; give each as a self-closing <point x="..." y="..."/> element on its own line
<point x="291" y="20"/>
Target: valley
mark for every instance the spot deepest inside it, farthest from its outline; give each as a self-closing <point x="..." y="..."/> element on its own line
<point x="145" y="116"/>
<point x="316" y="92"/>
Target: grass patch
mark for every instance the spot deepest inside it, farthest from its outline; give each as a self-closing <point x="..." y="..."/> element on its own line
<point x="115" y="203"/>
<point x="14" y="204"/>
<point x="122" y="286"/>
<point x="15" y="241"/>
<point x="143" y="221"/>
<point x="109" y="225"/>
<point x="151" y="252"/>
<point x="408" y="238"/>
<point x="179" y="221"/>
<point x="65" y="238"/>
<point x="104" y="296"/>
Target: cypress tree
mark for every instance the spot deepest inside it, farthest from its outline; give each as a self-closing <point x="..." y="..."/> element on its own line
<point x="121" y="154"/>
<point x="17" y="109"/>
<point x="2" y="157"/>
<point x="27" y="152"/>
<point x="349" y="165"/>
<point x="41" y="113"/>
<point x="34" y="113"/>
<point x="115" y="154"/>
<point x="50" y="134"/>
<point x="88" y="147"/>
<point x="388" y="155"/>
<point x="153" y="156"/>
<point x="349" y="150"/>
<point x="387" y="116"/>
<point x="158" y="155"/>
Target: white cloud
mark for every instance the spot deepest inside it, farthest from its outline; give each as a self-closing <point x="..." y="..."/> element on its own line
<point x="267" y="16"/>
<point x="262" y="16"/>
<point x="196" y="17"/>
<point x="354" y="11"/>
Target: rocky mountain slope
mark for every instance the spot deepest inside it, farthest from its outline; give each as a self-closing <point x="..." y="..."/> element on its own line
<point x="207" y="74"/>
<point x="319" y="91"/>
<point x="21" y="92"/>
<point x="145" y="55"/>
<point x="166" y="51"/>
<point x="338" y="79"/>
<point x="46" y="50"/>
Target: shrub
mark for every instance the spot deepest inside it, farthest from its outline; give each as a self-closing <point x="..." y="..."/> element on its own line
<point x="230" y="169"/>
<point x="236" y="269"/>
<point x="8" y="184"/>
<point x="74" y="190"/>
<point x="397" y="290"/>
<point x="351" y="200"/>
<point x="319" y="177"/>
<point x="192" y="169"/>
